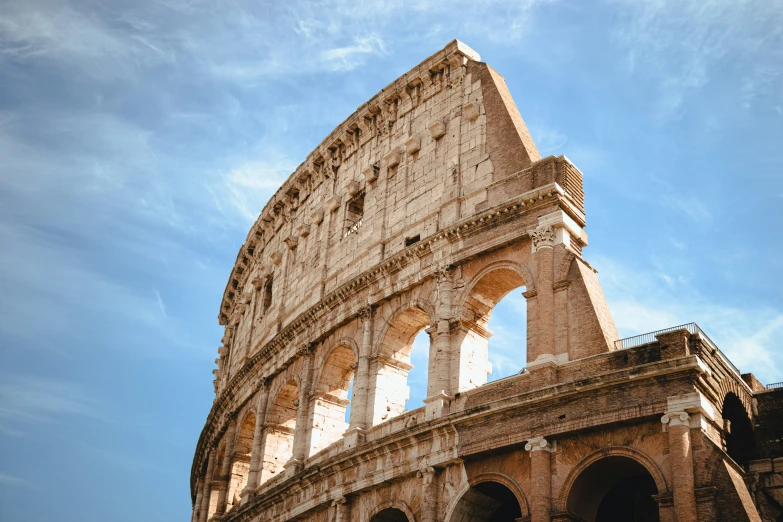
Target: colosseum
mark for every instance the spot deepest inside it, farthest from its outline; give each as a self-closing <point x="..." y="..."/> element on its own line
<point x="421" y="211"/>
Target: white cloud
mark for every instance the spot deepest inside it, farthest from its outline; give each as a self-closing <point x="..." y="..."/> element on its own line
<point x="10" y="480"/>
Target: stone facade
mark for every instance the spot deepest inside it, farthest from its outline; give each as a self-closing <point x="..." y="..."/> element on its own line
<point x="421" y="211"/>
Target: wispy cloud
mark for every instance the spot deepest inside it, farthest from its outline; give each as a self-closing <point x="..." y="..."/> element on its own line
<point x="640" y="303"/>
<point x="682" y="45"/>
<point x="37" y="399"/>
<point x="10" y="480"/>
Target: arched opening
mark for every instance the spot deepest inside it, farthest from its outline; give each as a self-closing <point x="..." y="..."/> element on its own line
<point x="738" y="430"/>
<point x="418" y="375"/>
<point x="614" y="488"/>
<point x="217" y="475"/>
<point x="389" y="370"/>
<point x="390" y="515"/>
<point x="473" y="336"/>
<point x="279" y="431"/>
<point x="240" y="467"/>
<point x="331" y="399"/>
<point x="267" y="302"/>
<point x="487" y="502"/>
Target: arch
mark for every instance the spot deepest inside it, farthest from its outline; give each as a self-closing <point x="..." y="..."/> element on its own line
<point x="388" y="389"/>
<point x="496" y="477"/>
<point x="611" y="451"/>
<point x="391" y="506"/>
<point x="279" y="427"/>
<point x="738" y="437"/>
<point x="521" y="271"/>
<point x="327" y="423"/>
<point x="240" y="465"/>
<point x="471" y="337"/>
<point x="421" y="305"/>
<point x="731" y="384"/>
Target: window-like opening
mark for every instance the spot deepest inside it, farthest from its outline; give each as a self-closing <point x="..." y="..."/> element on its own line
<point x="508" y="324"/>
<point x="279" y="431"/>
<point x="267" y="294"/>
<point x="508" y="353"/>
<point x="412" y="240"/>
<point x="354" y="214"/>
<point x="614" y="488"/>
<point x="240" y="467"/>
<point x="390" y="378"/>
<point x="331" y="399"/>
<point x="487" y="502"/>
<point x="418" y="375"/>
<point x="390" y="515"/>
<point x="738" y="430"/>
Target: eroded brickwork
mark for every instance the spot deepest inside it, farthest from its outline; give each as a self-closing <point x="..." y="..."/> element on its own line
<point x="421" y="212"/>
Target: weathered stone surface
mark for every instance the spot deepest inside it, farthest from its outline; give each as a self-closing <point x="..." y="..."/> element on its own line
<point x="421" y="211"/>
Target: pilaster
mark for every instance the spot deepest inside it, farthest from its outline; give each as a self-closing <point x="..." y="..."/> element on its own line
<point x="677" y="424"/>
<point x="540" y="478"/>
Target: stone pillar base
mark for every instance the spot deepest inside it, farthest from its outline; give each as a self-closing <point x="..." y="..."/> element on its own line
<point x="292" y="467"/>
<point x="246" y="495"/>
<point x="354" y="437"/>
<point x="437" y="406"/>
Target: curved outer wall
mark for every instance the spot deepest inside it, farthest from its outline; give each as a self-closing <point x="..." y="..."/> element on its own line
<point x="421" y="211"/>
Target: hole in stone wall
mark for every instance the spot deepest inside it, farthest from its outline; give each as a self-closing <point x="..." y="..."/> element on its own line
<point x="412" y="240"/>
<point x="279" y="430"/>
<point x="354" y="214"/>
<point x="738" y="429"/>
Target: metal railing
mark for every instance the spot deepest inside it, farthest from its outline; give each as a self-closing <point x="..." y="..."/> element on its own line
<point x="651" y="337"/>
<point x="774" y="386"/>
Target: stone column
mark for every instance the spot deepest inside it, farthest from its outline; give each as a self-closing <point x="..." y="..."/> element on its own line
<point x="302" y="410"/>
<point x="342" y="511"/>
<point x="443" y="366"/>
<point x="540" y="478"/>
<point x="361" y="382"/>
<point x="204" y="509"/>
<point x="429" y="494"/>
<point x="225" y="470"/>
<point x="543" y="250"/>
<point x="677" y="423"/>
<point x="258" y="434"/>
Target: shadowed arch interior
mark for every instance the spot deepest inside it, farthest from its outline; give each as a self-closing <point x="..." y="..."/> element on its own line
<point x="390" y="515"/>
<point x="738" y="430"/>
<point x="487" y="502"/>
<point x="614" y="488"/>
<point x="487" y="292"/>
<point x="331" y="398"/>
<point x="279" y="431"/>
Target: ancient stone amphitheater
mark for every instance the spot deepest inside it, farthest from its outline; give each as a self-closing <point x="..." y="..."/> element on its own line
<point x="421" y="211"/>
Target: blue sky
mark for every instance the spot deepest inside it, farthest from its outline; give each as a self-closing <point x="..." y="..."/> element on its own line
<point x="139" y="140"/>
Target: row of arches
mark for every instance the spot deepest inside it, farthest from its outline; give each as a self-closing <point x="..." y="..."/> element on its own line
<point x="308" y="409"/>
<point x="607" y="489"/>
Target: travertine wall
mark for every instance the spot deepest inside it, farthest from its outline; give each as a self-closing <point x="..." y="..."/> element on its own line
<point x="420" y="212"/>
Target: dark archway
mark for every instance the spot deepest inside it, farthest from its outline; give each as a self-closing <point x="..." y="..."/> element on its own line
<point x="390" y="515"/>
<point x="738" y="430"/>
<point x="614" y="488"/>
<point x="487" y="502"/>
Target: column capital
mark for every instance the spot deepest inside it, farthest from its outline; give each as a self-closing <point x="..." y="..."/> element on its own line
<point x="540" y="444"/>
<point x="444" y="272"/>
<point x="676" y="418"/>
<point x="365" y="313"/>
<point x="339" y="500"/>
<point x="543" y="237"/>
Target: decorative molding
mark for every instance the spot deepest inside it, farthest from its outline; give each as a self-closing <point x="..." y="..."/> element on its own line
<point x="540" y="444"/>
<point x="543" y="237"/>
<point x="676" y="418"/>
